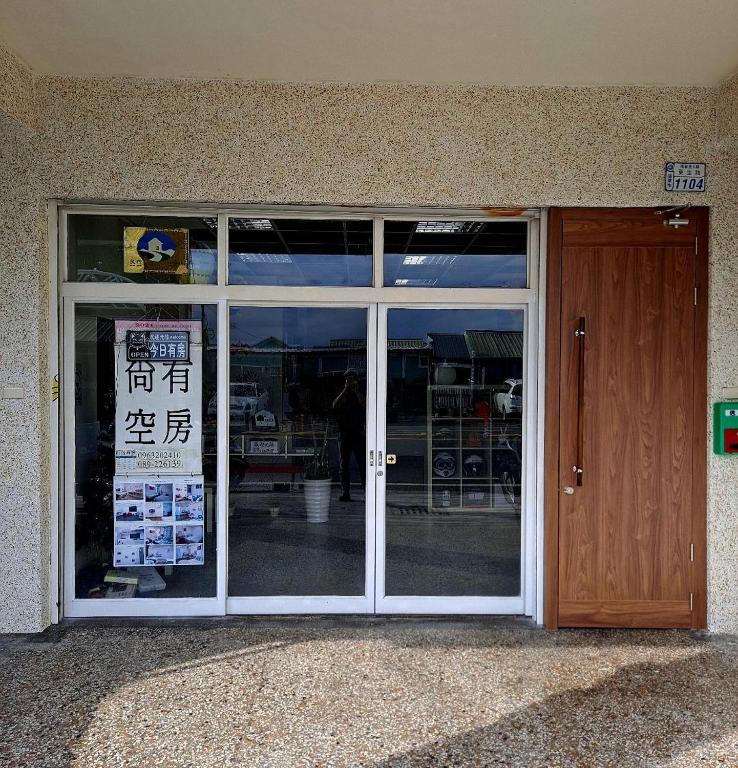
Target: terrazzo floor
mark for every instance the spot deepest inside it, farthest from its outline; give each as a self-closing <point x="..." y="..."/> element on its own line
<point x="365" y="692"/>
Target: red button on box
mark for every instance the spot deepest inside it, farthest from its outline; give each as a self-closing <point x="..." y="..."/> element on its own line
<point x="731" y="440"/>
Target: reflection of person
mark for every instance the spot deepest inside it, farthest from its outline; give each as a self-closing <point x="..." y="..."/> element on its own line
<point x="292" y="404"/>
<point x="350" y="409"/>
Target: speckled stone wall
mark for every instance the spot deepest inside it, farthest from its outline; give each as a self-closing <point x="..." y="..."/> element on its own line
<point x="390" y="144"/>
<point x="24" y="456"/>
<point x="395" y="144"/>
<point x="24" y="512"/>
<point x="17" y="97"/>
<point x="723" y="470"/>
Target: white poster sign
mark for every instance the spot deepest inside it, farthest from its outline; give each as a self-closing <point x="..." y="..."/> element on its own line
<point x="158" y="521"/>
<point x="158" y="406"/>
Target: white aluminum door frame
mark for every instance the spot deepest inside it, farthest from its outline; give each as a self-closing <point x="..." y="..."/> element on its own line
<point x="524" y="603"/>
<point x="329" y="604"/>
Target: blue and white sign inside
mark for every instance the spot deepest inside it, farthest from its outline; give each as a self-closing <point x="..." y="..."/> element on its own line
<point x="162" y="346"/>
<point x="685" y="177"/>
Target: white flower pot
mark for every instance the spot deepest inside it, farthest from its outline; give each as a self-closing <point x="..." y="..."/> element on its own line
<point x="317" y="500"/>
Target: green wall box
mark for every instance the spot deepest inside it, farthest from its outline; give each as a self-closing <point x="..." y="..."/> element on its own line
<point x="725" y="428"/>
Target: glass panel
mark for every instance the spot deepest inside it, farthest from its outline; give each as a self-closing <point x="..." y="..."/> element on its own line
<point x="139" y="531"/>
<point x="454" y="430"/>
<point x="456" y="254"/>
<point x="142" y="249"/>
<point x="297" y="508"/>
<point x="265" y="251"/>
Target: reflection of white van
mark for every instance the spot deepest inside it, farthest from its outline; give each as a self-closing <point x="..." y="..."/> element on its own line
<point x="246" y="399"/>
<point x="510" y="399"/>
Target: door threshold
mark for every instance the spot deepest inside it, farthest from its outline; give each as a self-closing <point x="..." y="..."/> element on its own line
<point x="471" y="621"/>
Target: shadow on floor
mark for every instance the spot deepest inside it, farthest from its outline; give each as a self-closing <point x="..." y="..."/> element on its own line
<point x="53" y="694"/>
<point x="51" y="688"/>
<point x="642" y="715"/>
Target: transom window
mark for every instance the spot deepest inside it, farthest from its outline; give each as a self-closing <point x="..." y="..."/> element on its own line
<point x="456" y="254"/>
<point x="267" y="250"/>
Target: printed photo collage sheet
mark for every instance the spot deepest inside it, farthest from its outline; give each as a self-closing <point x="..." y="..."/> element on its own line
<point x="159" y="522"/>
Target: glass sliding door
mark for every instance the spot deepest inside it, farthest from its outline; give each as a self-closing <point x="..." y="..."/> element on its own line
<point x="300" y="398"/>
<point x="451" y="402"/>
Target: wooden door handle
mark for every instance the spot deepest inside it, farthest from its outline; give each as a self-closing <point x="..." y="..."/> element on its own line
<point x="580" y="334"/>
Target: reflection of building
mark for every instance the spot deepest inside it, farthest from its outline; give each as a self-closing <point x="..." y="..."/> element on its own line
<point x="472" y="357"/>
<point x="479" y="357"/>
<point x="408" y="359"/>
<point x="277" y="366"/>
<point x="475" y="356"/>
<point x="271" y="354"/>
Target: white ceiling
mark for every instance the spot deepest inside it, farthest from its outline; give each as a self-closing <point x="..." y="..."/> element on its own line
<point x="531" y="42"/>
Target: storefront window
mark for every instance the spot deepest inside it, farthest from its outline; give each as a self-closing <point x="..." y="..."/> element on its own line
<point x="263" y="251"/>
<point x="145" y="458"/>
<point x="142" y="249"/>
<point x="317" y="451"/>
<point x="456" y="254"/>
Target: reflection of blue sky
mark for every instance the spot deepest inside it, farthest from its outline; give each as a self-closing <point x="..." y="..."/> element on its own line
<point x="457" y="271"/>
<point x="300" y="269"/>
<point x="297" y="326"/>
<point x="418" y="323"/>
<point x="316" y="327"/>
<point x="204" y="265"/>
<point x="446" y="271"/>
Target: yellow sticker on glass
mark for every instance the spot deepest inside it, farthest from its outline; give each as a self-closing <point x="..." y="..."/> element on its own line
<point x="165" y="251"/>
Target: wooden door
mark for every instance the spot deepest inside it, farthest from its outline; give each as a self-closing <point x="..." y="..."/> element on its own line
<point x="626" y="419"/>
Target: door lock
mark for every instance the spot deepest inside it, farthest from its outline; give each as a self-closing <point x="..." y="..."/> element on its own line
<point x="568" y="490"/>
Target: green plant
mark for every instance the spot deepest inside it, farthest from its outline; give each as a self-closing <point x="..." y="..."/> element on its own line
<point x="317" y="466"/>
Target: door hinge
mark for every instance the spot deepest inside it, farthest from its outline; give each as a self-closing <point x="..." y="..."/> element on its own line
<point x="696" y="246"/>
<point x="695" y="295"/>
<point x="691" y="553"/>
<point x="691" y="601"/>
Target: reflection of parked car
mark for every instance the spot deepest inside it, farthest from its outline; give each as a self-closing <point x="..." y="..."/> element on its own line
<point x="510" y="399"/>
<point x="245" y="400"/>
